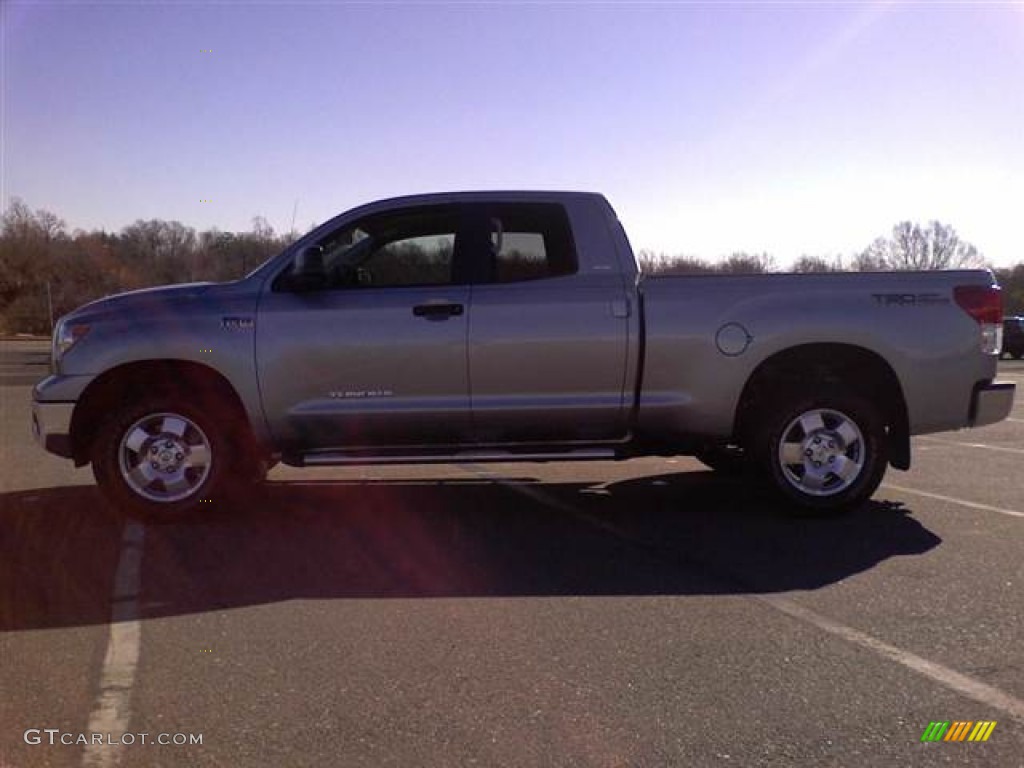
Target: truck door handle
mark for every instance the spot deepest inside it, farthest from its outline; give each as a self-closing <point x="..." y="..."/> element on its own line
<point x="439" y="310"/>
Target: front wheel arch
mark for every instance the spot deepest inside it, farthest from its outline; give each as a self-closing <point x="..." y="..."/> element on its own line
<point x="132" y="382"/>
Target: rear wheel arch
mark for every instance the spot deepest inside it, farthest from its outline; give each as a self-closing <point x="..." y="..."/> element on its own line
<point x="845" y="367"/>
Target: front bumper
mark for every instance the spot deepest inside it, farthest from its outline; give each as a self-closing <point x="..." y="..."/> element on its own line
<point x="51" y="426"/>
<point x="991" y="403"/>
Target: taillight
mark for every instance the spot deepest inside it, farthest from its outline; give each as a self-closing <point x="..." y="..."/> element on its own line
<point x="985" y="304"/>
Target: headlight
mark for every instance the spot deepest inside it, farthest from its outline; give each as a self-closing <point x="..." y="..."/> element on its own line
<point x="65" y="336"/>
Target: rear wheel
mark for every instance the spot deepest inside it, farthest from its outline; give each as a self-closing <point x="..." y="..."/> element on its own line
<point x="163" y="459"/>
<point x="827" y="453"/>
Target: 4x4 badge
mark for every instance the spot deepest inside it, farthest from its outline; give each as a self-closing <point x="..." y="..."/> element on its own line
<point x="236" y="323"/>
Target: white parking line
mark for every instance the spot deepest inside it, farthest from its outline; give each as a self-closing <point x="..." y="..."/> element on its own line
<point x="963" y="684"/>
<point x="1001" y="448"/>
<point x="952" y="500"/>
<point x="948" y="678"/>
<point x="112" y="711"/>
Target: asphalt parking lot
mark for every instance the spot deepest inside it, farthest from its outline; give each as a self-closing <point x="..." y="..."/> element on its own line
<point x="642" y="613"/>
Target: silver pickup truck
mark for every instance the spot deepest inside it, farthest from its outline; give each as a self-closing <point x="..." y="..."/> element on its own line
<point x="513" y="326"/>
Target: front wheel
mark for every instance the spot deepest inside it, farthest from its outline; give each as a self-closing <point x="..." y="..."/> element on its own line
<point x="161" y="459"/>
<point x="827" y="453"/>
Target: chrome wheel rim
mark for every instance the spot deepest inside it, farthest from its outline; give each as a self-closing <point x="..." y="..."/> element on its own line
<point x="165" y="457"/>
<point x="821" y="452"/>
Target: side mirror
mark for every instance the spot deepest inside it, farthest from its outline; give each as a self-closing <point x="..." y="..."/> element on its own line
<point x="308" y="271"/>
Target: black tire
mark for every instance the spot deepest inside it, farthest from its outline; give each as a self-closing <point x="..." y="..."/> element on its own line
<point x="725" y="459"/>
<point x="163" y="459"/>
<point x="823" y="453"/>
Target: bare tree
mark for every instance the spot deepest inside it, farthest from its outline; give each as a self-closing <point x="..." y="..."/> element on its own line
<point x="649" y="262"/>
<point x="18" y="250"/>
<point x="874" y="258"/>
<point x="742" y="262"/>
<point x="818" y="264"/>
<point x="688" y="265"/>
<point x="33" y="260"/>
<point x="913" y="247"/>
<point x="652" y="263"/>
<point x="263" y="236"/>
<point x="158" y="251"/>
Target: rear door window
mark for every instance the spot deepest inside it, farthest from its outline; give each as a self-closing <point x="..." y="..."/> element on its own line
<point x="530" y="241"/>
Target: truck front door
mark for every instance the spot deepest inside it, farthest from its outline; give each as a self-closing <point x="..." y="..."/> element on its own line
<point x="376" y="356"/>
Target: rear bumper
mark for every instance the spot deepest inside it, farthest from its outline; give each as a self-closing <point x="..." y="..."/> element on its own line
<point x="991" y="403"/>
<point x="51" y="426"/>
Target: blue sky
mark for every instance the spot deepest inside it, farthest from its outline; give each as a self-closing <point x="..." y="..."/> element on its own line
<point x="712" y="127"/>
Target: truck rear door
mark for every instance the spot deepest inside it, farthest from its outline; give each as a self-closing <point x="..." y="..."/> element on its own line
<point x="547" y="340"/>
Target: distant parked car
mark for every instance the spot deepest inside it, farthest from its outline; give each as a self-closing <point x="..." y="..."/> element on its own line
<point x="1013" y="336"/>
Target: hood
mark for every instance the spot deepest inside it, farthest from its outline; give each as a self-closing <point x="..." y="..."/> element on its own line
<point x="160" y="296"/>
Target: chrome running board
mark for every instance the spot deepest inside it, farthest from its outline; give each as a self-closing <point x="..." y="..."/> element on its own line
<point x="343" y="458"/>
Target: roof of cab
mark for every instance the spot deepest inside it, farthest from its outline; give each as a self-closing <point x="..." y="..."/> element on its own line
<point x="482" y="196"/>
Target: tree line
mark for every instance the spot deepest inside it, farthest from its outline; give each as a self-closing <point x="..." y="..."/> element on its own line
<point x="46" y="271"/>
<point x="910" y="246"/>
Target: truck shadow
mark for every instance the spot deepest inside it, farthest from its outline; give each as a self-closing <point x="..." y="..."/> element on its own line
<point x="690" y="533"/>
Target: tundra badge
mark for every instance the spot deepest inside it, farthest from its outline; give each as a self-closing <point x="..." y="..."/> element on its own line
<point x="236" y="323"/>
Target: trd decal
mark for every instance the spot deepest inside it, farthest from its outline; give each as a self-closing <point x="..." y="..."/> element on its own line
<point x="908" y="299"/>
